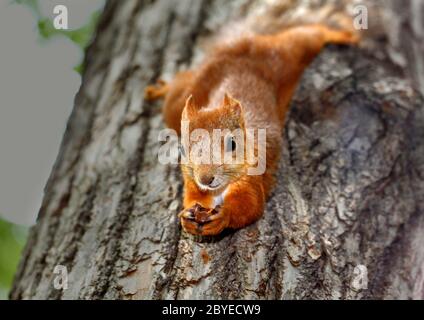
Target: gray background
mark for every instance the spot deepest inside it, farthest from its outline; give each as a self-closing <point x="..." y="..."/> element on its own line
<point x="37" y="88"/>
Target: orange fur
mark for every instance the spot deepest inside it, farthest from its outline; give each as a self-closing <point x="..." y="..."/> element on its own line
<point x="261" y="73"/>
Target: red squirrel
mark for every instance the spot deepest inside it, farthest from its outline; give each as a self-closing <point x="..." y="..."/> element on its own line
<point x="246" y="84"/>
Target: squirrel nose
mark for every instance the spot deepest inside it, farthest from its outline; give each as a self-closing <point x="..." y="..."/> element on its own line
<point x="207" y="180"/>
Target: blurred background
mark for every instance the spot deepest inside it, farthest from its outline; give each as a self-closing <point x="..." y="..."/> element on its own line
<point x="40" y="73"/>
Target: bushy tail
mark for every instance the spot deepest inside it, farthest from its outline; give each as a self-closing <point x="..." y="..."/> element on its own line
<point x="283" y="14"/>
<point x="274" y="16"/>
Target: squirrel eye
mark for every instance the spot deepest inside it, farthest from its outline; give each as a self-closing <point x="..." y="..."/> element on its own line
<point x="231" y="144"/>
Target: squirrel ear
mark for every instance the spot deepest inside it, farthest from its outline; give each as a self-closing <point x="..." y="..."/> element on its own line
<point x="190" y="108"/>
<point x="233" y="105"/>
<point x="227" y="99"/>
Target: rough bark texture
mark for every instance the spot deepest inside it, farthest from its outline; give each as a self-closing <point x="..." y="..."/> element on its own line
<point x="350" y="188"/>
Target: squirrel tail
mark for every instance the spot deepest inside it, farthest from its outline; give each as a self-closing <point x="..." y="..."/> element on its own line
<point x="275" y="16"/>
<point x="284" y="14"/>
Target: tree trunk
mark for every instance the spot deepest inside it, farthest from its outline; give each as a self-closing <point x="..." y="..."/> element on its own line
<point x="345" y="220"/>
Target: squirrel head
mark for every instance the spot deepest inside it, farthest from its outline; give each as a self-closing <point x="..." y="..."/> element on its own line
<point x="229" y="115"/>
<point x="215" y="150"/>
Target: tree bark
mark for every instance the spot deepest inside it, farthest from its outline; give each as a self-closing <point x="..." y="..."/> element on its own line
<point x="348" y="204"/>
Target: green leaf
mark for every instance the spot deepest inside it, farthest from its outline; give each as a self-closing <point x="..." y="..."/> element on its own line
<point x="12" y="240"/>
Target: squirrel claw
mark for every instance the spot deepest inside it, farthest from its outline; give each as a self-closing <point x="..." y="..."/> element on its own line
<point x="187" y="214"/>
<point x="202" y="221"/>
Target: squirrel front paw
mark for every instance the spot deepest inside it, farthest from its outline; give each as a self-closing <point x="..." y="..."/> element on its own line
<point x="198" y="220"/>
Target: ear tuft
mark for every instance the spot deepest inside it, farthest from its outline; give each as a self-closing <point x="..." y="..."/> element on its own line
<point x="227" y="99"/>
<point x="233" y="105"/>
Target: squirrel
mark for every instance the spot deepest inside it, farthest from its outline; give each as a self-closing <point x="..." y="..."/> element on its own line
<point x="245" y="84"/>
